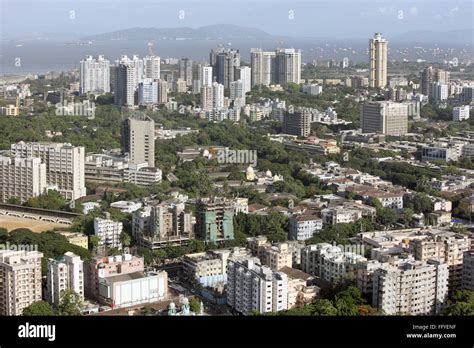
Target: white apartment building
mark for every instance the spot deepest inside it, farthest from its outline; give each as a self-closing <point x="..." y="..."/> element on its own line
<point x="415" y="288"/>
<point x="63" y="274"/>
<point x="303" y="227"/>
<point x="207" y="76"/>
<point x="237" y="93"/>
<point x="261" y="63"/>
<point x="217" y="96"/>
<point x="253" y="287"/>
<point x="94" y="75"/>
<point x="244" y="73"/>
<point x="20" y="280"/>
<point x="438" y="91"/>
<point x="148" y="92"/>
<point x="210" y="268"/>
<point x="64" y="165"/>
<point x="142" y="174"/>
<point x="312" y="89"/>
<point x="461" y="113"/>
<point x="22" y="178"/>
<point x="330" y="262"/>
<point x="152" y="67"/>
<point x="340" y="215"/>
<point x="108" y="232"/>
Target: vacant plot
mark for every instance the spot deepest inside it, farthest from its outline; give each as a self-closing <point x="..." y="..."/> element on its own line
<point x="11" y="223"/>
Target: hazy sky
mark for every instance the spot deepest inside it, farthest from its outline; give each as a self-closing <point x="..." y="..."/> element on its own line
<point x="315" y="18"/>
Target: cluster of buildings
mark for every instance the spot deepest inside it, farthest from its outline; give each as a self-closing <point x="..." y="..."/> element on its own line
<point x="30" y="169"/>
<point x="410" y="271"/>
<point x="115" y="281"/>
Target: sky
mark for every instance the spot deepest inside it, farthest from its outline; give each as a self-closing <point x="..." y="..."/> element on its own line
<point x="298" y="18"/>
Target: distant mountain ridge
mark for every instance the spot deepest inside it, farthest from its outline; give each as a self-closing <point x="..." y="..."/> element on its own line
<point x="218" y="31"/>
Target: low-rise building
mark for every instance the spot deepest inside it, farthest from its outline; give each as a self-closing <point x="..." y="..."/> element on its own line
<point x="126" y="206"/>
<point x="142" y="174"/>
<point x="76" y="238"/>
<point x="132" y="289"/>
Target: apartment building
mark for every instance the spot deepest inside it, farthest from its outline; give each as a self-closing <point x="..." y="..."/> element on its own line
<point x="468" y="270"/>
<point x="209" y="269"/>
<point x="385" y="117"/>
<point x="415" y="288"/>
<point x="21" y="178"/>
<point x="378" y="51"/>
<point x="64" y="165"/>
<point x="303" y="227"/>
<point x="20" y="280"/>
<point x="63" y="274"/>
<point x="447" y="248"/>
<point x="253" y="287"/>
<point x="159" y="225"/>
<point x="297" y="123"/>
<point x="330" y="262"/>
<point x="340" y="215"/>
<point x="261" y="247"/>
<point x="138" y="139"/>
<point x="108" y="232"/>
<point x="94" y="75"/>
<point x="214" y="219"/>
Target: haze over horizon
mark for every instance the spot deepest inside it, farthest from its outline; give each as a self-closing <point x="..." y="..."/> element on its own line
<point x="300" y="18"/>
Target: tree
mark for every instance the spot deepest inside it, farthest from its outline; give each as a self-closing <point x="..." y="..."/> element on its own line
<point x="39" y="308"/>
<point x="462" y="303"/>
<point x="125" y="239"/>
<point x="50" y="200"/>
<point x="14" y="200"/>
<point x="94" y="241"/>
<point x="324" y="307"/>
<point x="195" y="305"/>
<point x="70" y="303"/>
<point x="3" y="235"/>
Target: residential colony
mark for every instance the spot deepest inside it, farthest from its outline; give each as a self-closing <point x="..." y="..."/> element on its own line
<point x="409" y="270"/>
